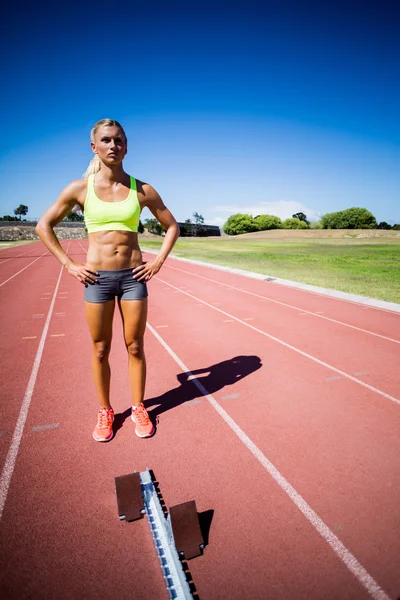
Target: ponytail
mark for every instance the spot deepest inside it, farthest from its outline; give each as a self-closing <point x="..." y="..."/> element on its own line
<point x="93" y="167"/>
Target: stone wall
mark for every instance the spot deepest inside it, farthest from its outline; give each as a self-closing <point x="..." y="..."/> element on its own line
<point x="15" y="233"/>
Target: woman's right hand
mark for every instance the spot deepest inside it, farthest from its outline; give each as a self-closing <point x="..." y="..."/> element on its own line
<point x="82" y="272"/>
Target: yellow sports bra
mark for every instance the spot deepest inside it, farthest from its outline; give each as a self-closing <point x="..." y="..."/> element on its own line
<point x="109" y="216"/>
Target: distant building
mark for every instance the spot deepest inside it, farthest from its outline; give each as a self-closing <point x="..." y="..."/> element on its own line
<point x="203" y="230"/>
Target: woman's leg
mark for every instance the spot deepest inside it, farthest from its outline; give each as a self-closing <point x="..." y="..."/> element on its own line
<point x="99" y="316"/>
<point x="134" y="315"/>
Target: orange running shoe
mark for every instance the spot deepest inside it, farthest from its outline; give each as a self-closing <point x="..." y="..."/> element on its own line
<point x="140" y="416"/>
<point x="103" y="432"/>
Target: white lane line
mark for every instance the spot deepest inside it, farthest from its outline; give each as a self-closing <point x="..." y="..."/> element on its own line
<point x="304" y="312"/>
<point x="13" y="257"/>
<point x="275" y="339"/>
<point x="12" y="276"/>
<point x="9" y="464"/>
<point x="44" y="427"/>
<point x="336" y="545"/>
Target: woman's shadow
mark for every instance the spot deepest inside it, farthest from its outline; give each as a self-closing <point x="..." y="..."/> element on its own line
<point x="212" y="379"/>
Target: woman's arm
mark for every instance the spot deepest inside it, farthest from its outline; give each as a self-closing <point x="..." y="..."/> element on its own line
<point x="55" y="214"/>
<point x="164" y="216"/>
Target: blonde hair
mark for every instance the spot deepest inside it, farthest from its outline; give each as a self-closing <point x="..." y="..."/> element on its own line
<point x="94" y="165"/>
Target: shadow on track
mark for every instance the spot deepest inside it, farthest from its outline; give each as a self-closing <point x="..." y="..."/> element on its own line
<point x="215" y="377"/>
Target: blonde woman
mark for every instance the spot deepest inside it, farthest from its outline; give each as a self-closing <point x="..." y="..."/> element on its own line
<point x="111" y="201"/>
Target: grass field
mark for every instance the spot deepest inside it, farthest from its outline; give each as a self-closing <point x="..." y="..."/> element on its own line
<point x="366" y="266"/>
<point x="11" y="244"/>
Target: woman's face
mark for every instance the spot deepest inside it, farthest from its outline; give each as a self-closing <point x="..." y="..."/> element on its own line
<point x="110" y="144"/>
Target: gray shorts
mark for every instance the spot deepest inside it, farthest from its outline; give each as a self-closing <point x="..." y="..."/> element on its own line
<point x="113" y="284"/>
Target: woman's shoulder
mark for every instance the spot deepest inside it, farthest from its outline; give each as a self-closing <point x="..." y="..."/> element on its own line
<point x="145" y="188"/>
<point x="76" y="189"/>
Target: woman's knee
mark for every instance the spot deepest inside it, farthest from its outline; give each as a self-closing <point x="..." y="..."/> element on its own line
<point x="101" y="350"/>
<point x="136" y="348"/>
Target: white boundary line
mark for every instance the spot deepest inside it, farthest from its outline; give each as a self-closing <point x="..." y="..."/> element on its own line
<point x="275" y="339"/>
<point x="9" y="465"/>
<point x="15" y="274"/>
<point x="12" y="257"/>
<point x="382" y="305"/>
<point x="363" y="577"/>
<point x="285" y="304"/>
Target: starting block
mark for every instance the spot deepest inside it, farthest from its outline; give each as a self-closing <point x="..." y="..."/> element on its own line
<point x="176" y="536"/>
<point x="129" y="497"/>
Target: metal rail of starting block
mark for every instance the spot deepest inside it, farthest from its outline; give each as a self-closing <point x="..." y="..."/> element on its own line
<point x="136" y="496"/>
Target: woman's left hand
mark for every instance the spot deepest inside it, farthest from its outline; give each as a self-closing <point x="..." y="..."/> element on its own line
<point x="146" y="271"/>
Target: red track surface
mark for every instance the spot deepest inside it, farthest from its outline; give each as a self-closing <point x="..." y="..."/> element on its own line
<point x="314" y="400"/>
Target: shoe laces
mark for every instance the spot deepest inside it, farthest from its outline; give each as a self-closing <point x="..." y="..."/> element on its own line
<point x="105" y="418"/>
<point x="141" y="415"/>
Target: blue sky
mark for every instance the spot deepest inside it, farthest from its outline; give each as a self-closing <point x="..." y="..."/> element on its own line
<point x="259" y="107"/>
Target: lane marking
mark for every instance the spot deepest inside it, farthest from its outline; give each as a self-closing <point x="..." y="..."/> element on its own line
<point x="286" y="345"/>
<point x="361" y="373"/>
<point x="57" y="334"/>
<point x="334" y="378"/>
<point x="248" y="319"/>
<point x="230" y="397"/>
<point x="44" y="427"/>
<point x="30" y="337"/>
<point x="11" y="458"/>
<point x="15" y="274"/>
<point x="301" y="287"/>
<point x="13" y="257"/>
<point x="161" y="326"/>
<point x="305" y="312"/>
<point x="228" y="321"/>
<point x="60" y="314"/>
<point x="336" y="545"/>
<point x="191" y="402"/>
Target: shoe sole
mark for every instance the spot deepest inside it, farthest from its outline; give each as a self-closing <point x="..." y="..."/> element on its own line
<point x="146" y="435"/>
<point x="103" y="439"/>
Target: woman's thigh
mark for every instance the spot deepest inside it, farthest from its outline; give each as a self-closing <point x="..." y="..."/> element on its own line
<point x="99" y="317"/>
<point x="134" y="316"/>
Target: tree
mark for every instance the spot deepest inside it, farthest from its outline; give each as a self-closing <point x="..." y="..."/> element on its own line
<point x="153" y="226"/>
<point x="8" y="218"/>
<point x="350" y="218"/>
<point x="198" y="219"/>
<point x="294" y="223"/>
<point x="21" y="210"/>
<point x="383" y="225"/>
<point x="73" y="215"/>
<point x="301" y="216"/>
<point x="264" y="222"/>
<point x="396" y="227"/>
<point x="239" y="223"/>
<point x="140" y="227"/>
<point x="198" y="222"/>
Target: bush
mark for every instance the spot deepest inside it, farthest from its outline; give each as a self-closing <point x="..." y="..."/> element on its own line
<point x="351" y="218"/>
<point x="239" y="223"/>
<point x="264" y="222"/>
<point x="316" y="225"/>
<point x="294" y="223"/>
<point x="396" y="227"/>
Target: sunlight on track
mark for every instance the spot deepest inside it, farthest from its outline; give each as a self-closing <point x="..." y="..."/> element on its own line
<point x="304" y="311"/>
<point x="337" y="546"/>
<point x="275" y="339"/>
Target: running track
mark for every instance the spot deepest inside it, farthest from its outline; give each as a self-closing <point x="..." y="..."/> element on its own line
<point x="285" y="432"/>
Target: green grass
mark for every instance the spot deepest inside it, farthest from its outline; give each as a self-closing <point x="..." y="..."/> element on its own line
<point x="369" y="266"/>
<point x="4" y="244"/>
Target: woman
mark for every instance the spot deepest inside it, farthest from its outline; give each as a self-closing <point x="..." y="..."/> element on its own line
<point x="112" y="201"/>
